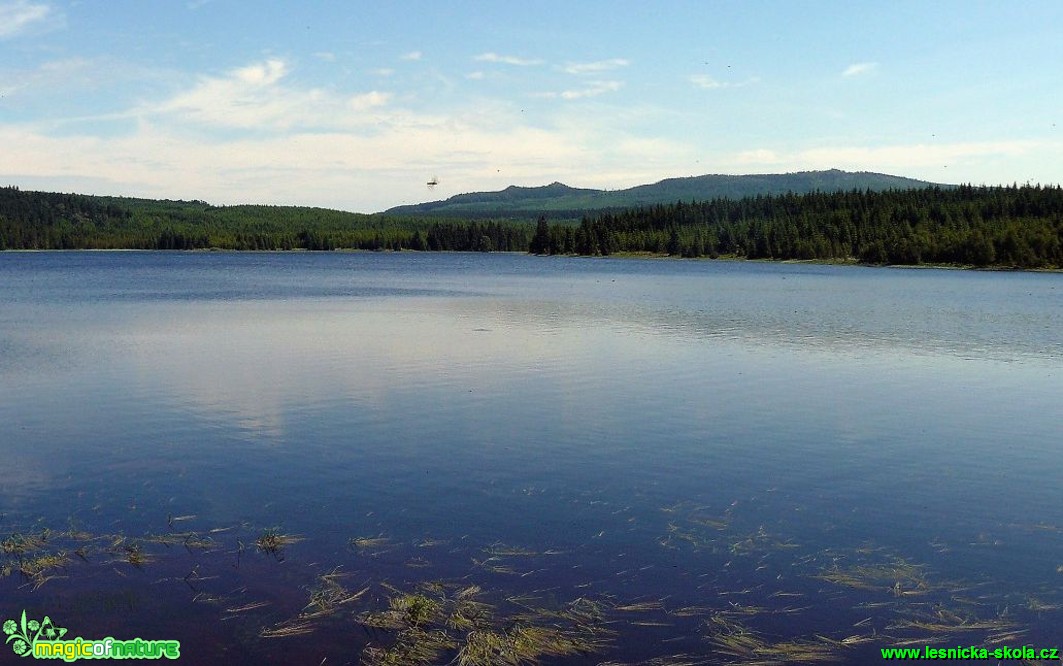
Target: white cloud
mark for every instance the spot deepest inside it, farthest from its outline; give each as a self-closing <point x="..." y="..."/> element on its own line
<point x="412" y="55"/>
<point x="903" y="159"/>
<point x="758" y="156"/>
<point x="917" y="155"/>
<point x="76" y="74"/>
<point x="599" y="66"/>
<point x="366" y="150"/>
<point x="593" y="90"/>
<point x="263" y="74"/>
<point x="706" y="82"/>
<point x="507" y="60"/>
<point x="475" y="76"/>
<point x="597" y="88"/>
<point x="325" y="56"/>
<point x="354" y="152"/>
<point x="251" y="97"/>
<point x="369" y="100"/>
<point x="18" y="16"/>
<point x="859" y="69"/>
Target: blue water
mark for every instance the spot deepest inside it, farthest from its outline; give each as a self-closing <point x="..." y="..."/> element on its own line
<point x="709" y="436"/>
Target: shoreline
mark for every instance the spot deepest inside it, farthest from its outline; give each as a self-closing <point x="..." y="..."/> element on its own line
<point x="616" y="255"/>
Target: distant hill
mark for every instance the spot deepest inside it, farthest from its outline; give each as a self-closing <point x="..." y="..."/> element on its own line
<point x="559" y="198"/>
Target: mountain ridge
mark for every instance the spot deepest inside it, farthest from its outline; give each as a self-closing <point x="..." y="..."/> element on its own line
<point x="520" y="201"/>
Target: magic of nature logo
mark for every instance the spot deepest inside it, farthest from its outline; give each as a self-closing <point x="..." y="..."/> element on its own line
<point x="43" y="639"/>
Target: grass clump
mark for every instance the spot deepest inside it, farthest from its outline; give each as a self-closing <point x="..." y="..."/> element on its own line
<point x="438" y="620"/>
<point x="273" y="541"/>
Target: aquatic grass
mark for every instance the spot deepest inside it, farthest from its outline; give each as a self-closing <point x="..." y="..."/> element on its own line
<point x="490" y="565"/>
<point x="502" y="550"/>
<point x="468" y="615"/>
<point x="416" y="609"/>
<point x="289" y="629"/>
<point x="1038" y="606"/>
<point x="135" y="555"/>
<point x="254" y="605"/>
<point x="668" y="660"/>
<point x="190" y="540"/>
<point x="325" y="599"/>
<point x="273" y="541"/>
<point x="937" y="624"/>
<point x="19" y="544"/>
<point x="415" y="647"/>
<point x="36" y="566"/>
<point x="36" y="569"/>
<point x="171" y="519"/>
<point x="897" y="577"/>
<point x="329" y="595"/>
<point x="730" y="637"/>
<point x="417" y="563"/>
<point x="524" y="645"/>
<point x="690" y="611"/>
<point x="639" y="607"/>
<point x="370" y="543"/>
<point x="457" y="620"/>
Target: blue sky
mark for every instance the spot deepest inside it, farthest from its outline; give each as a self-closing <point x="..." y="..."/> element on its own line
<point x="355" y="105"/>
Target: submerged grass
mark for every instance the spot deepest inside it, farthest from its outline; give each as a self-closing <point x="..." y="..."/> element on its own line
<point x="897" y="577"/>
<point x="437" y="619"/>
<point x="754" y="584"/>
<point x="325" y="599"/>
<point x="273" y="541"/>
<point x="730" y="637"/>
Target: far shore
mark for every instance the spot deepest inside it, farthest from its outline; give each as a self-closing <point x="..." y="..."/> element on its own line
<point x="616" y="255"/>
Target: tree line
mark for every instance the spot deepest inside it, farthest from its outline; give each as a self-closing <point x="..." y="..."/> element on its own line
<point x="47" y="221"/>
<point x="1016" y="226"/>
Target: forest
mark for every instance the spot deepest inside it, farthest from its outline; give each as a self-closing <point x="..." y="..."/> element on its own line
<point x="1015" y="226"/>
<point x="970" y="226"/>
<point x="47" y="221"/>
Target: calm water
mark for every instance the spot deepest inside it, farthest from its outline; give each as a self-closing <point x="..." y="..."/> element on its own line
<point x="698" y="451"/>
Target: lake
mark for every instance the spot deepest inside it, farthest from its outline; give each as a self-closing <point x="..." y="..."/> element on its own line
<point x="344" y="458"/>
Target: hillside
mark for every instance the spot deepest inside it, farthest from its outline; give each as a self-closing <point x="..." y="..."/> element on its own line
<point x="45" y="220"/>
<point x="964" y="225"/>
<point x="565" y="201"/>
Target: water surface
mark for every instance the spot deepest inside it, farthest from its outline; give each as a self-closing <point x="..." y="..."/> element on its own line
<point x="697" y="448"/>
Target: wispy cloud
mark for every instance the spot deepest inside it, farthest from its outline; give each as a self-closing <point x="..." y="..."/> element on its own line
<point x="859" y="69"/>
<point x="507" y="59"/>
<point x="593" y="90"/>
<point x="598" y="66"/>
<point x="20" y="15"/>
<point x="706" y="82"/>
<point x="255" y="98"/>
<point x="892" y="158"/>
<point x="262" y="74"/>
<point x="76" y="74"/>
<point x="339" y="168"/>
<point x="369" y="100"/>
<point x="411" y="56"/>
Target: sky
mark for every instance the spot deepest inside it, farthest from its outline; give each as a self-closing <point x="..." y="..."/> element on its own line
<point x="358" y="105"/>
